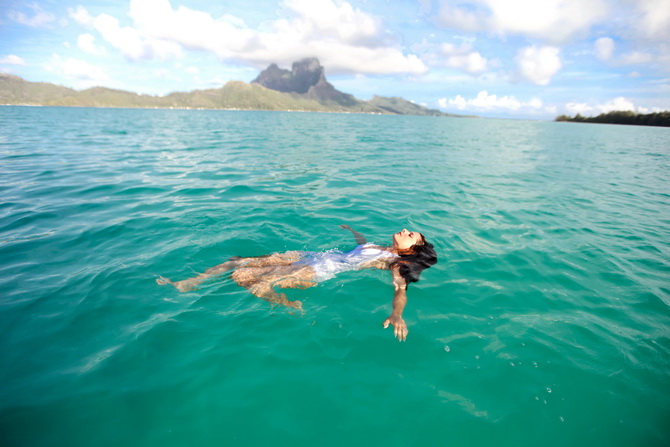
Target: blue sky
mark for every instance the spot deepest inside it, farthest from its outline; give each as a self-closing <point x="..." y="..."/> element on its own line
<point x="500" y="58"/>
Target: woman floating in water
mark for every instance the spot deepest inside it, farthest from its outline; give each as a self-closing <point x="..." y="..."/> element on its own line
<point x="405" y="258"/>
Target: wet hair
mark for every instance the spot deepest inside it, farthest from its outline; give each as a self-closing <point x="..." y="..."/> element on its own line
<point x="418" y="258"/>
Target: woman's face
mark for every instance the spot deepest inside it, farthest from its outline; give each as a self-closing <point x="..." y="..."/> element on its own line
<point x="404" y="239"/>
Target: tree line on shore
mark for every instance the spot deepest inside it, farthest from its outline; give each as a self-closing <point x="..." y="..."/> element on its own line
<point x="622" y="117"/>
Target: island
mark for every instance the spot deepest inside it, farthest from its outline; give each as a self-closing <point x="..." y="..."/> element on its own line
<point x="303" y="88"/>
<point x="661" y="119"/>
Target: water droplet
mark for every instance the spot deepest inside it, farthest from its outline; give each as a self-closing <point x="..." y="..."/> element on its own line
<point x="447" y="348"/>
<point x="548" y="390"/>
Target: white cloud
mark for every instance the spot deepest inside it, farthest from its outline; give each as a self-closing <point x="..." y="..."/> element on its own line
<point x="325" y="19"/>
<point x="39" y="18"/>
<point x="640" y="28"/>
<point x="484" y="102"/>
<point x="340" y="58"/>
<point x="345" y="40"/>
<point x="86" y="43"/>
<point x="538" y="64"/>
<point x="132" y="44"/>
<point x="343" y="37"/>
<point x="551" y="20"/>
<point x="654" y="19"/>
<point x="604" y="48"/>
<point x="126" y="39"/>
<point x="76" y="69"/>
<point x="464" y="58"/>
<point x="12" y="59"/>
<point x="641" y="23"/>
<point x="635" y="58"/>
<point x="555" y="21"/>
<point x="617" y="104"/>
<point x="188" y="28"/>
<point x="468" y="18"/>
<point x="81" y="16"/>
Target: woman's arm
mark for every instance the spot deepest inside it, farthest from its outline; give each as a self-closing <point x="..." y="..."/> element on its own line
<point x="399" y="302"/>
<point x="360" y="239"/>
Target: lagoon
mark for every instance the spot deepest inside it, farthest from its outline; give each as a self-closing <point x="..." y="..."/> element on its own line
<point x="546" y="320"/>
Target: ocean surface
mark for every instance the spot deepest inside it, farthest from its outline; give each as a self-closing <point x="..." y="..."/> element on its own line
<point x="546" y="321"/>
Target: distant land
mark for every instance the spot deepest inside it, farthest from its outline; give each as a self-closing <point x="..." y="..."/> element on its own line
<point x="661" y="119"/>
<point x="304" y="88"/>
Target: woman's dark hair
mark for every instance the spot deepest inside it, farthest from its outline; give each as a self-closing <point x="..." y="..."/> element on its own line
<point x="418" y="258"/>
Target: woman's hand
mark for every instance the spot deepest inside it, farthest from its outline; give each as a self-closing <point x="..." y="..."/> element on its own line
<point x="399" y="327"/>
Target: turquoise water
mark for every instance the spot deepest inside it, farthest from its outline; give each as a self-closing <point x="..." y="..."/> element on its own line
<point x="546" y="321"/>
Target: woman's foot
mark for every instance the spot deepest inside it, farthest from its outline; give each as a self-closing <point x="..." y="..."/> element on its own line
<point x="285" y="302"/>
<point x="161" y="281"/>
<point x="183" y="286"/>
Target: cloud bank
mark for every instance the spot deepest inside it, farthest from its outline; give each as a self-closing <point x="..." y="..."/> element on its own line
<point x="346" y="39"/>
<point x="617" y="104"/>
<point x="551" y="21"/>
<point x="485" y="102"/>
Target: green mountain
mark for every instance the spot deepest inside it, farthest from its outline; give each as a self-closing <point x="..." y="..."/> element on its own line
<point x="305" y="88"/>
<point x="15" y="90"/>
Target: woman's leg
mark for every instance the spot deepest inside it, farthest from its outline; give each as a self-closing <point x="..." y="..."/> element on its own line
<point x="189" y="284"/>
<point x="261" y="281"/>
<point x="273" y="260"/>
<point x="264" y="290"/>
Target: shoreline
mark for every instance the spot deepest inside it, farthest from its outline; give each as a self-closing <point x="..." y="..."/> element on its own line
<point x="346" y="112"/>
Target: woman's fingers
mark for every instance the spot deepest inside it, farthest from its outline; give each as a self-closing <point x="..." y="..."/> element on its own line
<point x="400" y="330"/>
<point x="401" y="333"/>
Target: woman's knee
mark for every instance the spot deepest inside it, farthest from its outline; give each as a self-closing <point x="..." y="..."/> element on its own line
<point x="243" y="277"/>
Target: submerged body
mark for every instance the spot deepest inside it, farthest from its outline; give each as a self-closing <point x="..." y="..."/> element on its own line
<point x="330" y="263"/>
<point x="300" y="270"/>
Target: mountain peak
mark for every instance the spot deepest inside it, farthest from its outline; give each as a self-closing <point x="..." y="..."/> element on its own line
<point x="305" y="74"/>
